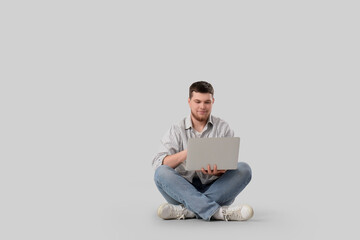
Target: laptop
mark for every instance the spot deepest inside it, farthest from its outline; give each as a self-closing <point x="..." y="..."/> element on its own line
<point x="224" y="152"/>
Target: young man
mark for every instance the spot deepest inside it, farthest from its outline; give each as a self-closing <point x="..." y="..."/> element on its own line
<point x="204" y="194"/>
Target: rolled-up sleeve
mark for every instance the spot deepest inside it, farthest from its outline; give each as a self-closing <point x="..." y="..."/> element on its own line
<point x="169" y="144"/>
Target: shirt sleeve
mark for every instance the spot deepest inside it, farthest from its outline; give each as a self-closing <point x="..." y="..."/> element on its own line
<point x="225" y="130"/>
<point x="229" y="132"/>
<point x="169" y="145"/>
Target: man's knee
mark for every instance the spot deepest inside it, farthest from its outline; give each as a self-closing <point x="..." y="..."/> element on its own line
<point x="244" y="170"/>
<point x="163" y="172"/>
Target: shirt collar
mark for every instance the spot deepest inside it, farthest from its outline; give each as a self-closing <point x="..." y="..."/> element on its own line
<point x="188" y="123"/>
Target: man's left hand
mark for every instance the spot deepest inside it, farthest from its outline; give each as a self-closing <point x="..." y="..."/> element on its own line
<point x="214" y="172"/>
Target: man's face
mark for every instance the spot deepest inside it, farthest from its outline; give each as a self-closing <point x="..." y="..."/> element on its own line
<point x="201" y="105"/>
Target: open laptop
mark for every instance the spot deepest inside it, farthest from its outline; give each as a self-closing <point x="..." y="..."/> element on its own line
<point x="224" y="152"/>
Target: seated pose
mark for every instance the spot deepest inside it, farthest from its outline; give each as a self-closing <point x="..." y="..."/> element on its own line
<point x="208" y="193"/>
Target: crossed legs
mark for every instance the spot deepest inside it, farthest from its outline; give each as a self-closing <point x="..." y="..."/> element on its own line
<point x="177" y="190"/>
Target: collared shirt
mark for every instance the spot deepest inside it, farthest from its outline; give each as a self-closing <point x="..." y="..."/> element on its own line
<point x="176" y="139"/>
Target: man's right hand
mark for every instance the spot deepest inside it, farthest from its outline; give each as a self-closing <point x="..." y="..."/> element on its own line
<point x="175" y="159"/>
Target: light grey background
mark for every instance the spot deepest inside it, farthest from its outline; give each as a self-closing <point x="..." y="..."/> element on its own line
<point x="88" y="88"/>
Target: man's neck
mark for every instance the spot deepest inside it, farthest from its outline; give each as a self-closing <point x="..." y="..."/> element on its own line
<point x="198" y="125"/>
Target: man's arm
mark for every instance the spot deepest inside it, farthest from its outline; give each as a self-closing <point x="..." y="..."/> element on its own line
<point x="176" y="159"/>
<point x="170" y="149"/>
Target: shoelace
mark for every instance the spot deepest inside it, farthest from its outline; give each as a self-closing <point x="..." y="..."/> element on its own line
<point x="228" y="213"/>
<point x="181" y="217"/>
<point x="179" y="212"/>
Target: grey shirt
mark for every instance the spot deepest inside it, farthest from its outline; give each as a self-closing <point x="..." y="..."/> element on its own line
<point x="176" y="139"/>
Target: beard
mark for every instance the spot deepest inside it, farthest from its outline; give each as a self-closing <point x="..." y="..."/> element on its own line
<point x="200" y="118"/>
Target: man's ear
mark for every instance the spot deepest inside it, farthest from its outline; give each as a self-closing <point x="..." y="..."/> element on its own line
<point x="189" y="101"/>
<point x="213" y="100"/>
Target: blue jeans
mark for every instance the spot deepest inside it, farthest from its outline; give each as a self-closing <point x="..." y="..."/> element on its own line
<point x="203" y="199"/>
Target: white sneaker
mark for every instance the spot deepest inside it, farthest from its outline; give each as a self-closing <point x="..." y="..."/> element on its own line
<point x="170" y="211"/>
<point x="237" y="213"/>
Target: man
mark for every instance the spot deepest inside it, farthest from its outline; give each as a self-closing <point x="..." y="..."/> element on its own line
<point x="204" y="194"/>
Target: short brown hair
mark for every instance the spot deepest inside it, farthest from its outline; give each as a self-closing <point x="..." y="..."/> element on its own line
<point x="201" y="87"/>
